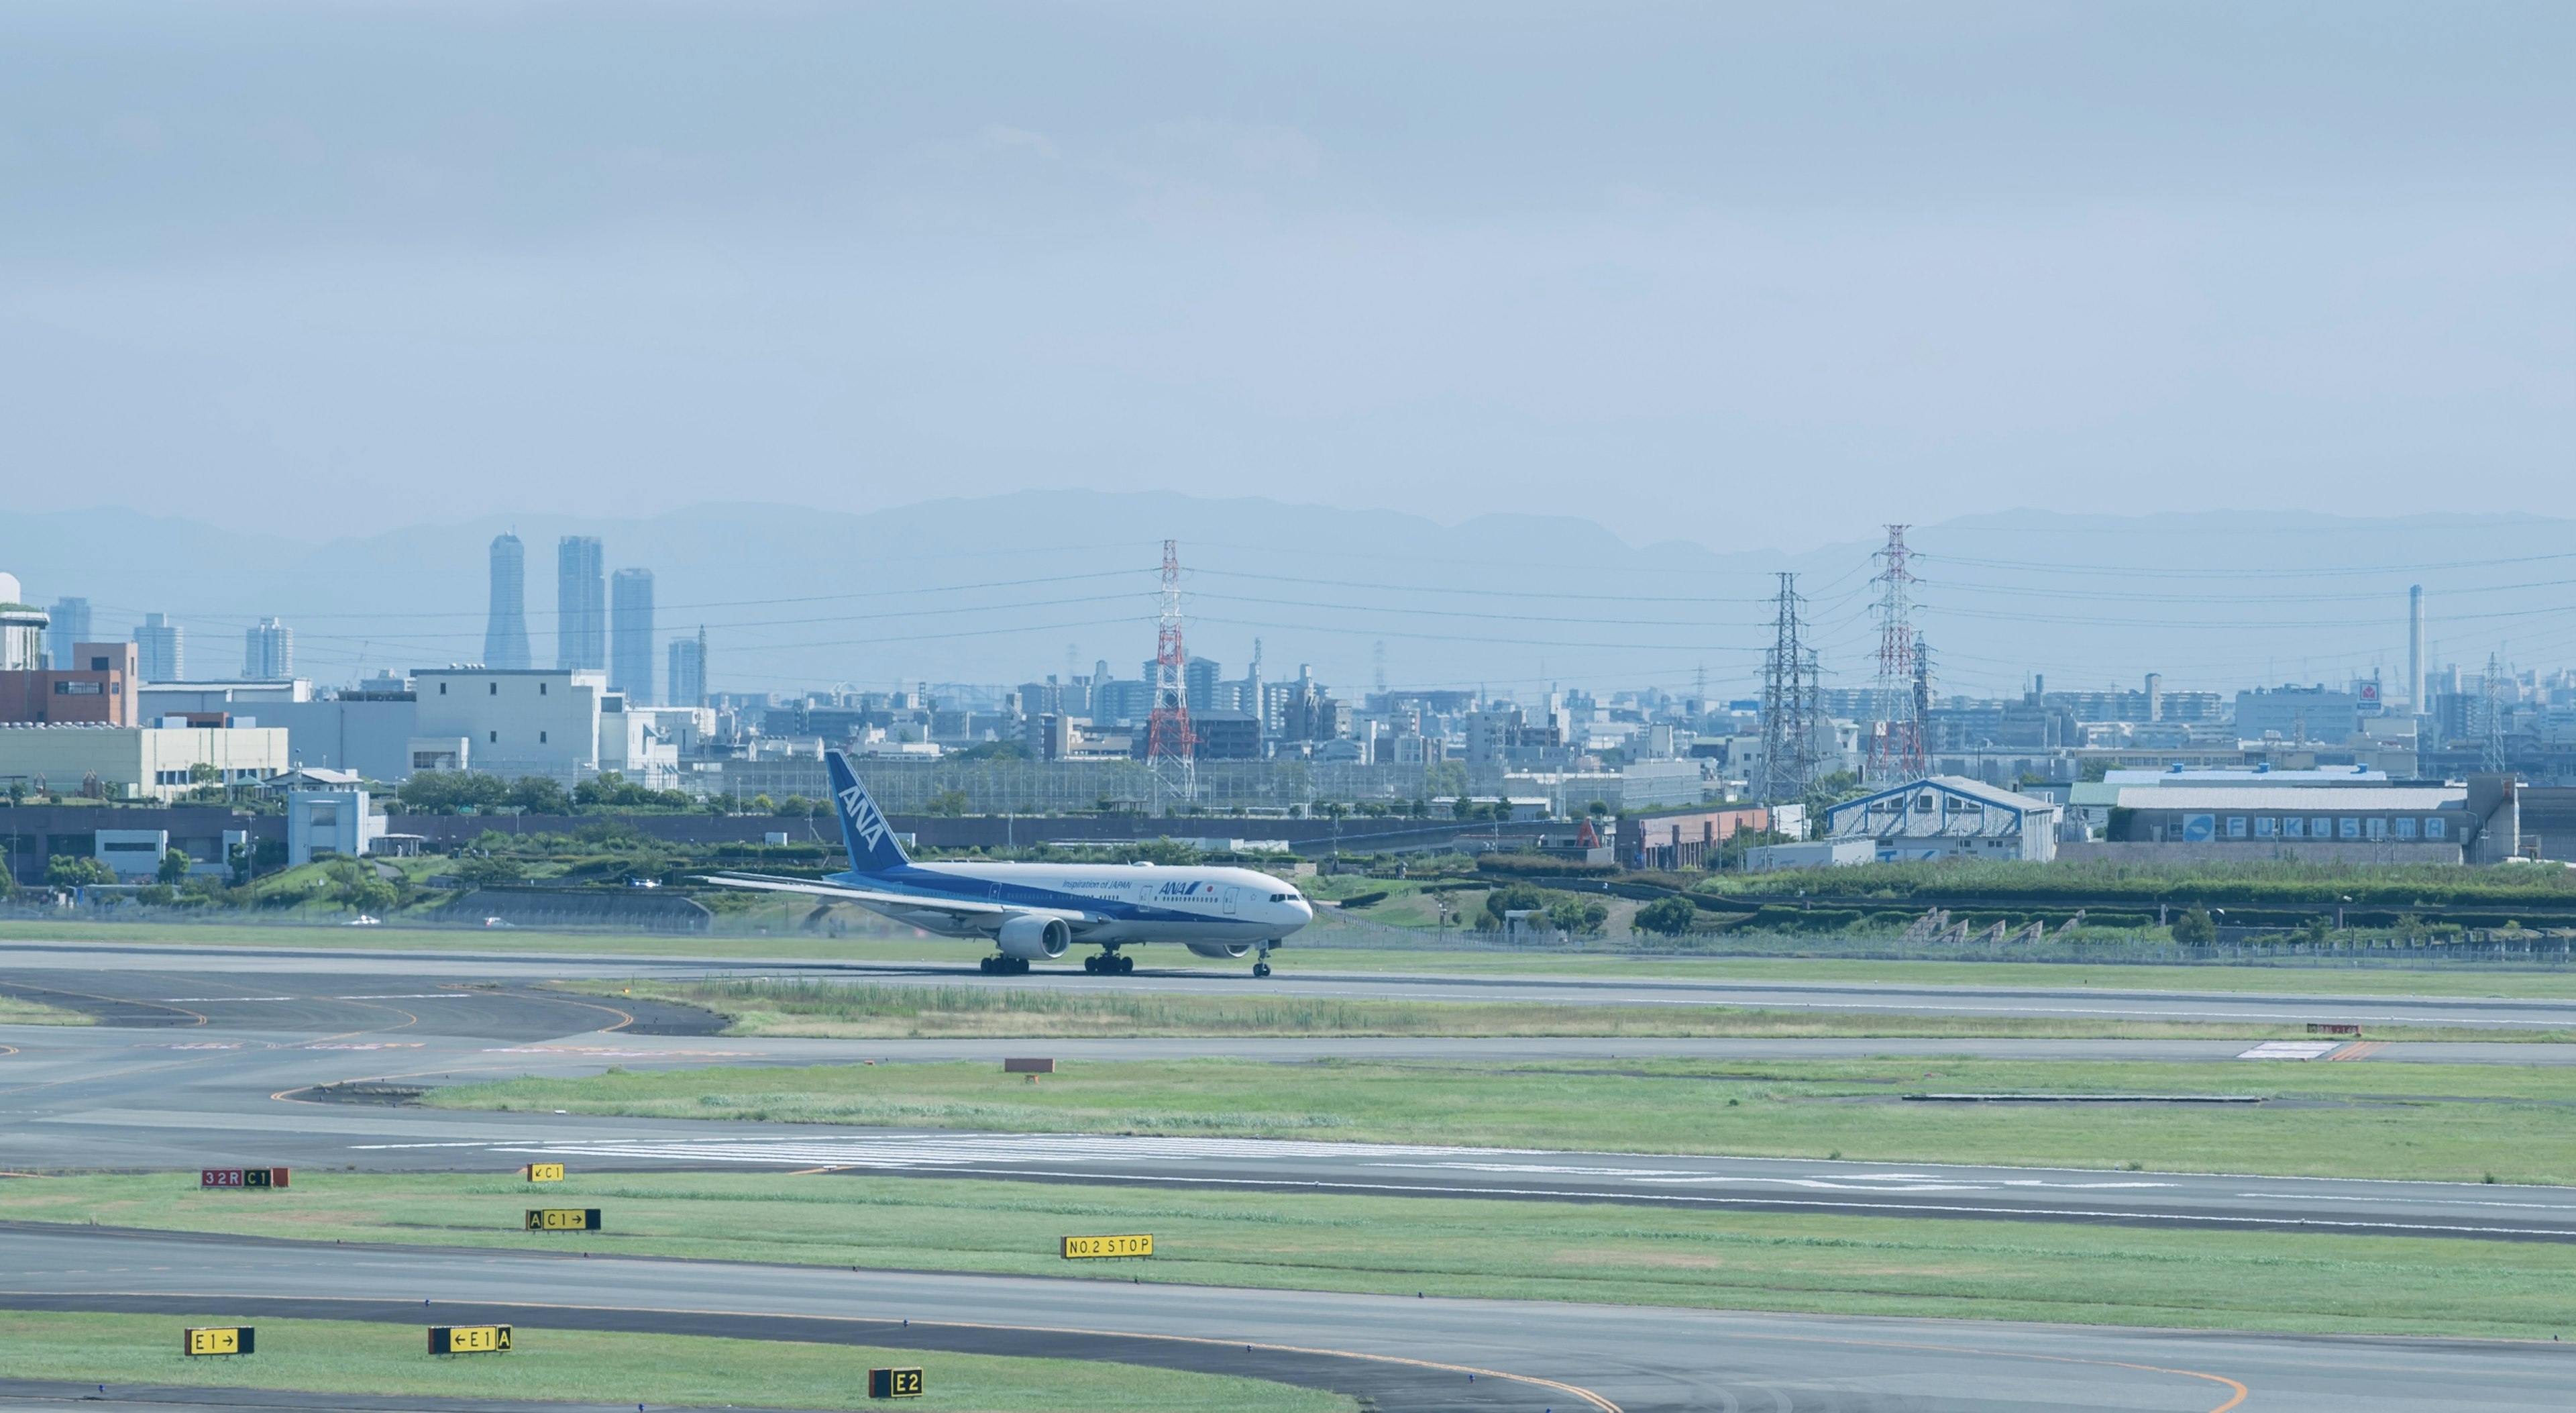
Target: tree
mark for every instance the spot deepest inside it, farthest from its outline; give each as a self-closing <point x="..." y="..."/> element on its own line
<point x="1669" y="917"/>
<point x="174" y="866"/>
<point x="74" y="871"/>
<point x="1572" y="914"/>
<point x="1514" y="898"/>
<point x="947" y="802"/>
<point x="2194" y="929"/>
<point x="793" y="807"/>
<point x="371" y="895"/>
<point x="481" y="873"/>
<point x="537" y="794"/>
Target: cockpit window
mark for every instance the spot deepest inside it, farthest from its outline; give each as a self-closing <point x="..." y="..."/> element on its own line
<point x="1279" y="897"/>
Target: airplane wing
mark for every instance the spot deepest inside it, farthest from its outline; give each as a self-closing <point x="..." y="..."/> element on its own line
<point x="872" y="897"/>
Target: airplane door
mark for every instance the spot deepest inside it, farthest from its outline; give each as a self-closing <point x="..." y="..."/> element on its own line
<point x="1230" y="894"/>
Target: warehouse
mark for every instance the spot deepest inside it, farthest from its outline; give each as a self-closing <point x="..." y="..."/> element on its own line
<point x="1945" y="817"/>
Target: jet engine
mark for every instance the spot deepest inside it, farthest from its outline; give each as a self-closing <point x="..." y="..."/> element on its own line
<point x="1220" y="949"/>
<point x="1035" y="939"/>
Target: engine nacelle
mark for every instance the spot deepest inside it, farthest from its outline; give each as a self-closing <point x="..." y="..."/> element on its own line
<point x="1220" y="949"/>
<point x="1034" y="939"/>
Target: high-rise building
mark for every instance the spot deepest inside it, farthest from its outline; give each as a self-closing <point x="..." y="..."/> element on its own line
<point x="688" y="683"/>
<point x="268" y="652"/>
<point x="581" y="604"/>
<point x="71" y="625"/>
<point x="505" y="637"/>
<point x="630" y="635"/>
<point x="161" y="649"/>
<point x="22" y="630"/>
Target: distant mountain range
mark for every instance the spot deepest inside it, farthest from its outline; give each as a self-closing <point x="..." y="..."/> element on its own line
<point x="1010" y="588"/>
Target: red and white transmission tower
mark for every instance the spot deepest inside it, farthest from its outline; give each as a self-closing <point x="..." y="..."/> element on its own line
<point x="1896" y="738"/>
<point x="1171" y="748"/>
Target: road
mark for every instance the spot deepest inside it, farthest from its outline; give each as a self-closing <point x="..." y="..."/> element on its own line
<point x="1636" y="1359"/>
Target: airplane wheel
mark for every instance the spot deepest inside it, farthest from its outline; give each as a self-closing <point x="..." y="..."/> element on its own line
<point x="985" y="964"/>
<point x="1126" y="965"/>
<point x="1019" y="966"/>
<point x="1261" y="968"/>
<point x="1092" y="965"/>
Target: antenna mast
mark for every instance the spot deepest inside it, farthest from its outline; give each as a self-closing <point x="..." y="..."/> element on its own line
<point x="1171" y="748"/>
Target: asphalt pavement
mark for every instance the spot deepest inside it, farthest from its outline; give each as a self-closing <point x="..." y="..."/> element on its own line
<point x="1548" y="1355"/>
<point x="212" y="1057"/>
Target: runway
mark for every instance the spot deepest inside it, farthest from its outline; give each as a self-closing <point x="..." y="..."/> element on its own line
<point x="1634" y="1359"/>
<point x="2051" y="994"/>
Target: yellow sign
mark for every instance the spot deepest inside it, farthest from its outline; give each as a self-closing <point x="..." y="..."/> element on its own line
<point x="545" y="1172"/>
<point x="216" y="1339"/>
<point x="469" y="1339"/>
<point x="1078" y="1247"/>
<point x="563" y="1219"/>
<point x="895" y="1383"/>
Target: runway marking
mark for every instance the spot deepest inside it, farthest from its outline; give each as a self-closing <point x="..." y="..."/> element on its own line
<point x="366" y="1045"/>
<point x="2359" y="1050"/>
<point x="175" y="1000"/>
<point x="2240" y="1394"/>
<point x="2292" y="1050"/>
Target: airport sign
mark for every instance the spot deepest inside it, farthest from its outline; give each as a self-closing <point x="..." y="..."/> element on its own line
<point x="1078" y="1248"/>
<point x="469" y="1339"/>
<point x="896" y="1383"/>
<point x="197" y="1341"/>
<point x="545" y="1172"/>
<point x="241" y="1177"/>
<point x="563" y="1219"/>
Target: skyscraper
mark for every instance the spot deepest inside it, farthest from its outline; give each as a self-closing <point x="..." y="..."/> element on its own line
<point x="581" y="604"/>
<point x="71" y="625"/>
<point x="268" y="652"/>
<point x="630" y="635"/>
<point x="688" y="684"/>
<point x="161" y="649"/>
<point x="505" y="638"/>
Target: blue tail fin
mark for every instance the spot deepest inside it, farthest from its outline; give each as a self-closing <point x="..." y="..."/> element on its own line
<point x="864" y="830"/>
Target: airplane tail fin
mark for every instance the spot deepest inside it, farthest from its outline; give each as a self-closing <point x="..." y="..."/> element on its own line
<point x="864" y="831"/>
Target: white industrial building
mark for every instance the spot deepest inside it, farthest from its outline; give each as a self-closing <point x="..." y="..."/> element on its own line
<point x="137" y="762"/>
<point x="533" y="721"/>
<point x="1947" y="817"/>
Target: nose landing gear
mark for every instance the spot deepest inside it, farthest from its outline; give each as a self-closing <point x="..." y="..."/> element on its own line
<point x="1262" y="967"/>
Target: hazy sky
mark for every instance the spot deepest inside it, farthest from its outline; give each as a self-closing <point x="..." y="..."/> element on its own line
<point x="1742" y="274"/>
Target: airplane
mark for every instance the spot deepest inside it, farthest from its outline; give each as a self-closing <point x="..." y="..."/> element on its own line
<point x="1035" y="912"/>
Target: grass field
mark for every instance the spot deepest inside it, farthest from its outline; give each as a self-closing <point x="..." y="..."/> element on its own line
<point x="1514" y="1250"/>
<point x="834" y="1009"/>
<point x="337" y="1356"/>
<point x="804" y="947"/>
<point x="17" y="1012"/>
<point x="2444" y="1122"/>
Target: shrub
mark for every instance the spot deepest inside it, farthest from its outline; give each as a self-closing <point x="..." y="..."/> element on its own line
<point x="2194" y="929"/>
<point x="1668" y="917"/>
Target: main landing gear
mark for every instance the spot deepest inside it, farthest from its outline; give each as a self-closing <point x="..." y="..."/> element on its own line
<point x="1004" y="966"/>
<point x="1109" y="964"/>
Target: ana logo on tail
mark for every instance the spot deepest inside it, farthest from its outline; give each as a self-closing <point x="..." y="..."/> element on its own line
<point x="865" y="831"/>
<point x="864" y="816"/>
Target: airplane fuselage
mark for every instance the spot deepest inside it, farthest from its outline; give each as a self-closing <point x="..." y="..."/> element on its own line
<point x="1101" y="903"/>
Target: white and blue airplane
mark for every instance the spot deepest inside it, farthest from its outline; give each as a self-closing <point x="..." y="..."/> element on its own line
<point x="1034" y="912"/>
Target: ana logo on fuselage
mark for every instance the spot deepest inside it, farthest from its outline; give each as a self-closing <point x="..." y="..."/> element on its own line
<point x="1181" y="890"/>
